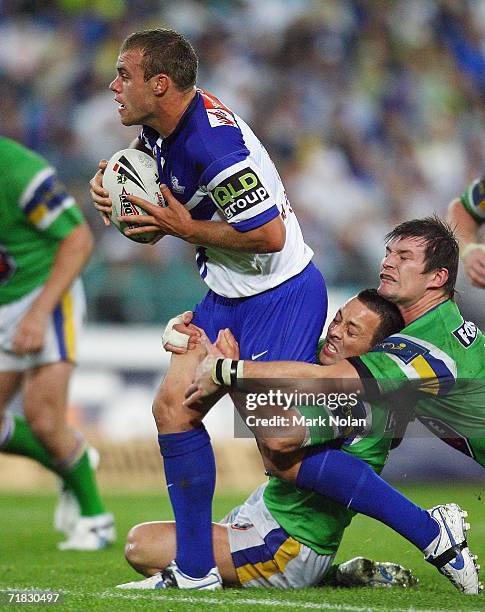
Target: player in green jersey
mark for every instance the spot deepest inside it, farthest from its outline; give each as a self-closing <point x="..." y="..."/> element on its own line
<point x="281" y="536"/>
<point x="44" y="245"/>
<point x="467" y="214"/>
<point x="418" y="274"/>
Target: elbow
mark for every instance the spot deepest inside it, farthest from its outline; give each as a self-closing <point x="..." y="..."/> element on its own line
<point x="273" y="247"/>
<point x="83" y="240"/>
<point x="277" y="244"/>
<point x="275" y="238"/>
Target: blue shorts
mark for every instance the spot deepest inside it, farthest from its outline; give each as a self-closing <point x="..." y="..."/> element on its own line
<point x="283" y="323"/>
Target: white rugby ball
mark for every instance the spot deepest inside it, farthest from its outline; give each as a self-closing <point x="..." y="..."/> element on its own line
<point x="132" y="172"/>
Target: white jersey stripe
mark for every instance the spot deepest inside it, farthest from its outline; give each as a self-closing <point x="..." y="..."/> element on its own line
<point x="29" y="191"/>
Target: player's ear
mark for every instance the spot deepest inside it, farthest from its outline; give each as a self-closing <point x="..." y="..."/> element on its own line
<point x="439" y="278"/>
<point x="161" y="83"/>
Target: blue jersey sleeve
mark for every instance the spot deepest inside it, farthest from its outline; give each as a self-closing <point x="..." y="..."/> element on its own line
<point x="234" y="179"/>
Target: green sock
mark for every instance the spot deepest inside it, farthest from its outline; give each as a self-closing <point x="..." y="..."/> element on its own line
<point x="80" y="478"/>
<point x="23" y="442"/>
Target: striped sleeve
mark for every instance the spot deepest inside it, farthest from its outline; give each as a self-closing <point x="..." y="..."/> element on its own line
<point x="473" y="199"/>
<point x="47" y="205"/>
<point x="403" y="357"/>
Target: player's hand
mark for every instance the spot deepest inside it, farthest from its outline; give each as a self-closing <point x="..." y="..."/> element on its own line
<point x="30" y="333"/>
<point x="203" y="385"/>
<point x="227" y="344"/>
<point x="173" y="219"/>
<point x="474" y="264"/>
<point x="180" y="335"/>
<point x="99" y="194"/>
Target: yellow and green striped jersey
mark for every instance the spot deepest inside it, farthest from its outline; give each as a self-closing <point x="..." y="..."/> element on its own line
<point x="37" y="214"/>
<point x="443" y="357"/>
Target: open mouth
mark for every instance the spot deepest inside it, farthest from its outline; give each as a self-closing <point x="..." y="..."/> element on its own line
<point x="386" y="277"/>
<point x="330" y="349"/>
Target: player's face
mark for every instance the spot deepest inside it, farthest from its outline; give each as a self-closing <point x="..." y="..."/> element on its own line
<point x="350" y="333"/>
<point x="134" y="95"/>
<point x="402" y="279"/>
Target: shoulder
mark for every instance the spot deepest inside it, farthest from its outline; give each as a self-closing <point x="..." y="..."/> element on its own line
<point x="213" y="132"/>
<point x="26" y="170"/>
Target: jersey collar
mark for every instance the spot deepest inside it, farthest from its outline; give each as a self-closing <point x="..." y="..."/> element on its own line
<point x="183" y="119"/>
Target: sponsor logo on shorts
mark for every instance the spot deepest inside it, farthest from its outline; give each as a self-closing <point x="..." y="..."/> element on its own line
<point x="241" y="526"/>
<point x="239" y="193"/>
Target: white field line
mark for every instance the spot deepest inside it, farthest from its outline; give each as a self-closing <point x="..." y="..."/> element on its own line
<point x="240" y="602"/>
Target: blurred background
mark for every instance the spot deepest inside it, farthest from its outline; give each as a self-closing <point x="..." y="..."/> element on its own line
<point x="373" y="112"/>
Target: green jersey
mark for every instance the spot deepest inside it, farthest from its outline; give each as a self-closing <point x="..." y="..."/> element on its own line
<point x="37" y="214"/>
<point x="314" y="520"/>
<point x="445" y="357"/>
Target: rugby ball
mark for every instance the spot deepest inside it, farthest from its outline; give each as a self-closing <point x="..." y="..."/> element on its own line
<point x="132" y="172"/>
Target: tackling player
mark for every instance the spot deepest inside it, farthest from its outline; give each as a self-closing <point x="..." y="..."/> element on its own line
<point x="466" y="215"/>
<point x="250" y="252"/>
<point x="283" y="537"/>
<point x="418" y="274"/>
<point x="44" y="245"/>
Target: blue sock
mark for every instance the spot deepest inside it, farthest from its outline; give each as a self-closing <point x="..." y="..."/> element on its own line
<point x="190" y="471"/>
<point x="354" y="484"/>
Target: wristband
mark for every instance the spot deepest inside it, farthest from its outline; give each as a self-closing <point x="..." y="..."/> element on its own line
<point x="471" y="246"/>
<point x="227" y="372"/>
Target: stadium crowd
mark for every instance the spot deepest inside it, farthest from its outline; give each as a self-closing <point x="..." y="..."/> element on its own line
<point x="373" y="112"/>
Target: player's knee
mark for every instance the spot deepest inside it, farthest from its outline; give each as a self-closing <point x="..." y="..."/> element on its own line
<point x="134" y="549"/>
<point x="170" y="415"/>
<point x="44" y="426"/>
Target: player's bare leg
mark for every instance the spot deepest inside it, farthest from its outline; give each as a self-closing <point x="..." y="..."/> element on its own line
<point x="190" y="473"/>
<point x="45" y="403"/>
<point x="150" y="547"/>
<point x="45" y="390"/>
<point x="9" y="384"/>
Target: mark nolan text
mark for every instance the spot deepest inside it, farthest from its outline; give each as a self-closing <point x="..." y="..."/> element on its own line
<point x="298" y="420"/>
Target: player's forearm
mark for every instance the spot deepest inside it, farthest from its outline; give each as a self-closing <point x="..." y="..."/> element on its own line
<point x="465" y="226"/>
<point x="269" y="238"/>
<point x="341" y="377"/>
<point x="73" y="254"/>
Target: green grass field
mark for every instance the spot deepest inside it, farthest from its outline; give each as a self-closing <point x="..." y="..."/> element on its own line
<point x="29" y="559"/>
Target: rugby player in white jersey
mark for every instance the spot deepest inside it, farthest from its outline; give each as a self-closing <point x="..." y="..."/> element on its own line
<point x="231" y="204"/>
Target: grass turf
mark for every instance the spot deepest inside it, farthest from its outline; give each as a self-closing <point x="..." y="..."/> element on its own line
<point x="29" y="559"/>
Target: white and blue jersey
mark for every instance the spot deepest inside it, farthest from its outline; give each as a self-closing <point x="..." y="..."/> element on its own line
<point x="215" y="165"/>
<point x="219" y="170"/>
